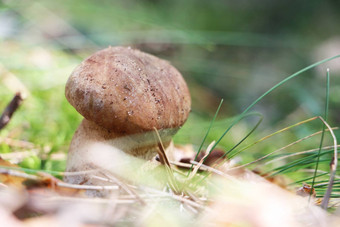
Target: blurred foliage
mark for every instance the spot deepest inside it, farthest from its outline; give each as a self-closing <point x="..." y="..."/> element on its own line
<point x="233" y="50"/>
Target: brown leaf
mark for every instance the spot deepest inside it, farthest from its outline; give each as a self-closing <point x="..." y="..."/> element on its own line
<point x="6" y="178"/>
<point x="305" y="191"/>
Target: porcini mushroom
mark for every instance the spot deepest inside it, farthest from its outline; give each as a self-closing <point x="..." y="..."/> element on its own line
<point x="124" y="94"/>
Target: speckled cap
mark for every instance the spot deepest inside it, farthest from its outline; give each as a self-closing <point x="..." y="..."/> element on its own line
<point x="128" y="91"/>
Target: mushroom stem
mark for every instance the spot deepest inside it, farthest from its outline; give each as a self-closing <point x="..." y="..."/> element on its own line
<point x="142" y="145"/>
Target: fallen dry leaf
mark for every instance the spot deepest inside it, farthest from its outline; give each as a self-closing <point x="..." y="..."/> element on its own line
<point x="306" y="190"/>
<point x="6" y="178"/>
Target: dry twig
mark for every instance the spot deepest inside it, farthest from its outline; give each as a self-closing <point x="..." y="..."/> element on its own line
<point x="165" y="161"/>
<point x="192" y="174"/>
<point x="10" y="109"/>
<point x="17" y="143"/>
<point x="113" y="179"/>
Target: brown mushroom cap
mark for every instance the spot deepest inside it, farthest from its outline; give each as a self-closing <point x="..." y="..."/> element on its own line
<point x="128" y="91"/>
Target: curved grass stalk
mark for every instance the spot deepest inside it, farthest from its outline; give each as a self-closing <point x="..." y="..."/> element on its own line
<point x="327" y="149"/>
<point x="319" y="171"/>
<point x="309" y="178"/>
<point x="206" y="134"/>
<point x="273" y="134"/>
<point x="249" y="133"/>
<point x="333" y="166"/>
<point x="299" y="164"/>
<point x="282" y="148"/>
<point x="245" y="137"/>
<point x="242" y="140"/>
<point x="323" y="132"/>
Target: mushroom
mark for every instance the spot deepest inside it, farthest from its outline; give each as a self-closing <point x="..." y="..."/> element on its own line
<point x="124" y="95"/>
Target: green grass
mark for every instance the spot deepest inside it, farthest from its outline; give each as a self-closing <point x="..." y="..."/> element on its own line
<point x="301" y="163"/>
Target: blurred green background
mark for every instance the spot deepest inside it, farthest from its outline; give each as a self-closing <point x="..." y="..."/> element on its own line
<point x="234" y="50"/>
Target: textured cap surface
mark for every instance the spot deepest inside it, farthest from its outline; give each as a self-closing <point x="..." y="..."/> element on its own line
<point x="128" y="91"/>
